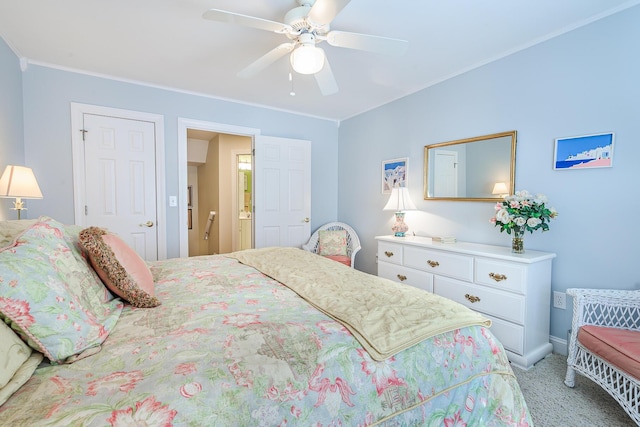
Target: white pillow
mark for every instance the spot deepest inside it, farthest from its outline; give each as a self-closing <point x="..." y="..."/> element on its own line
<point x="17" y="362"/>
<point x="10" y="229"/>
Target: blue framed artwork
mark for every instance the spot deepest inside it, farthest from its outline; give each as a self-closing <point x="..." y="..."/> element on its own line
<point x="394" y="174"/>
<point x="584" y="152"/>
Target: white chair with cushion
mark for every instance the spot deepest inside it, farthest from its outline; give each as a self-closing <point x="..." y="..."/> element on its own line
<point x="335" y="240"/>
<point x="605" y="343"/>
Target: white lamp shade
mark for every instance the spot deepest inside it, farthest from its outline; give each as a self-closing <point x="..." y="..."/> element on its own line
<point x="500" y="188"/>
<point x="399" y="200"/>
<point x="307" y="59"/>
<point x="19" y="181"/>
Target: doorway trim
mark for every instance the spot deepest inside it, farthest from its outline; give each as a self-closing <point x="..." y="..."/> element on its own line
<point x="183" y="125"/>
<point x="77" y="147"/>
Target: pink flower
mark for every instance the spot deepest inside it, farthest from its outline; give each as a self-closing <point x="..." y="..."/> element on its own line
<point x="382" y="374"/>
<point x="123" y="381"/>
<point x="295" y="411"/>
<point x="190" y="390"/>
<point x="241" y="320"/>
<point x="148" y="412"/>
<point x="455" y="421"/>
<point x="17" y="311"/>
<point x="214" y="306"/>
<point x="185" y="369"/>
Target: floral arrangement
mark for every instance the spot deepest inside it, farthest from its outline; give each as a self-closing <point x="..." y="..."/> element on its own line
<point x="523" y="212"/>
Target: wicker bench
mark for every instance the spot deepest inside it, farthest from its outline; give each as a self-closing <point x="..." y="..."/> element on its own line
<point x="605" y="344"/>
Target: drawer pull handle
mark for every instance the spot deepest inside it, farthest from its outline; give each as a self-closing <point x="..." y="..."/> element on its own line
<point x="433" y="264"/>
<point x="402" y="277"/>
<point x="472" y="298"/>
<point x="389" y="254"/>
<point x="497" y="277"/>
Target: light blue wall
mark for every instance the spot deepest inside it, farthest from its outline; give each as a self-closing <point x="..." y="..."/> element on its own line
<point x="586" y="81"/>
<point x="11" y="126"/>
<point x="47" y="96"/>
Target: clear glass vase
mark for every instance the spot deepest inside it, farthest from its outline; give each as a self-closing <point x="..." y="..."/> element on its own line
<point x="517" y="242"/>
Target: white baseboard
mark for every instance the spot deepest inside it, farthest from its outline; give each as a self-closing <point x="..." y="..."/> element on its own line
<point x="559" y="345"/>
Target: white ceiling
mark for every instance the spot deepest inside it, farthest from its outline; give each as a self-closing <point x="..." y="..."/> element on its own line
<point x="167" y="43"/>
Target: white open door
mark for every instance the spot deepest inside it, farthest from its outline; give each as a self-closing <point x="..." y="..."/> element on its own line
<point x="282" y="191"/>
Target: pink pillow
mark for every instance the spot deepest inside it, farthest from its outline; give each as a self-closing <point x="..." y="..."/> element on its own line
<point x="120" y="267"/>
<point x="340" y="258"/>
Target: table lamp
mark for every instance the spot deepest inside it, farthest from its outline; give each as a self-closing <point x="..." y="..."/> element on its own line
<point x="399" y="201"/>
<point x="19" y="182"/>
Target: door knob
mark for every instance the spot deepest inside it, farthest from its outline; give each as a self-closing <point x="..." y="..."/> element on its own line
<point x="306" y="220"/>
<point x="146" y="224"/>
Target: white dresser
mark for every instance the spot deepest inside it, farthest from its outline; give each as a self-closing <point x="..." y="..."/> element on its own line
<point x="513" y="290"/>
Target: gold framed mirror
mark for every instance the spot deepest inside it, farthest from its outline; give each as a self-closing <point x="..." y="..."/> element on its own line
<point x="471" y="169"/>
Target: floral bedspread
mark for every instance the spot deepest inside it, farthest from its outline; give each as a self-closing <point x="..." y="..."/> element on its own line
<point x="231" y="347"/>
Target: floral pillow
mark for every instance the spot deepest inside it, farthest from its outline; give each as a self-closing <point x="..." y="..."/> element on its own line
<point x="48" y="297"/>
<point x="332" y="242"/>
<point x="18" y="361"/>
<point x="120" y="267"/>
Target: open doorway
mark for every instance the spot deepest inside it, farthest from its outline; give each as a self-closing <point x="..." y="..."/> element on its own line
<point x="219" y="192"/>
<point x="281" y="189"/>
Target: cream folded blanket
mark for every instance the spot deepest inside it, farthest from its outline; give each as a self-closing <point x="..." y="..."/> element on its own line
<point x="384" y="316"/>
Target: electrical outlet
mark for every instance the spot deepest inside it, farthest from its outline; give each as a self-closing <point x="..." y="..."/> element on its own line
<point x="559" y="300"/>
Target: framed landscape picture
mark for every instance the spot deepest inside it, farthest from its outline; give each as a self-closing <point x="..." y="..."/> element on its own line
<point x="584" y="152"/>
<point x="394" y="174"/>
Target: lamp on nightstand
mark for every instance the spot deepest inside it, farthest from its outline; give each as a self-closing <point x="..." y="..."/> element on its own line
<point x="19" y="182"/>
<point x="399" y="201"/>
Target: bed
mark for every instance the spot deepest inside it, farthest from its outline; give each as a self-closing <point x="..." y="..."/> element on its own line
<point x="223" y="343"/>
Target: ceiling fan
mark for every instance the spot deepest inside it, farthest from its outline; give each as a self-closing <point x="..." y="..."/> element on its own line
<point x="307" y="26"/>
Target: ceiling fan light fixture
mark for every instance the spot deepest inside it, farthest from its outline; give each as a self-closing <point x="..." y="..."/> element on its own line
<point x="307" y="59"/>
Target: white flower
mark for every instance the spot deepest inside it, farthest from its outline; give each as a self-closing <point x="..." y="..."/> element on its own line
<point x="533" y="222"/>
<point x="540" y="199"/>
<point x="503" y="216"/>
<point x="520" y="221"/>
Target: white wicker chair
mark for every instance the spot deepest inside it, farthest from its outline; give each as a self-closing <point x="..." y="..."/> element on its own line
<point x="610" y="308"/>
<point x="353" y="243"/>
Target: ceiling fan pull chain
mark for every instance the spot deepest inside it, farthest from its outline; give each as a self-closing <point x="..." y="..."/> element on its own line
<point x="293" y="92"/>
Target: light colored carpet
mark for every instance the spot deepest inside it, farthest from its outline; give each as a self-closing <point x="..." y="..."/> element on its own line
<point x="553" y="404"/>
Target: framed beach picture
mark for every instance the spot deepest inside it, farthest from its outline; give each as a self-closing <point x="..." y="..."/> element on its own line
<point x="394" y="174"/>
<point x="584" y="152"/>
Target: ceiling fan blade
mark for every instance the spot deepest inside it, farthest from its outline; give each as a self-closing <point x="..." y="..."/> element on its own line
<point x="324" y="11"/>
<point x="325" y="79"/>
<point x="265" y="60"/>
<point x="367" y="42"/>
<point x="245" y="20"/>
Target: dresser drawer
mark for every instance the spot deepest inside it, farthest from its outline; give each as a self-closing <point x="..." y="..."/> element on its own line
<point x="437" y="262"/>
<point x="510" y="335"/>
<point x="507" y="306"/>
<point x="390" y="252"/>
<point x="502" y="275"/>
<point x="408" y="276"/>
